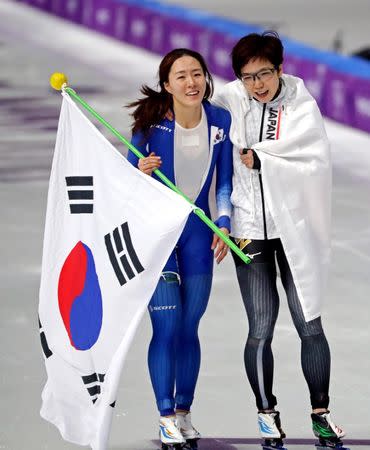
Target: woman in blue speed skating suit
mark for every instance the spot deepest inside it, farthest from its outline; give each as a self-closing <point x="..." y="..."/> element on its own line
<point x="188" y="150"/>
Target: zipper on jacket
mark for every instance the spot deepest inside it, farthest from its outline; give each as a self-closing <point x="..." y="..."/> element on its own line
<point x="260" y="177"/>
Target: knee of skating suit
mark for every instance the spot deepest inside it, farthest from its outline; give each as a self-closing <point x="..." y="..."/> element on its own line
<point x="165" y="313"/>
<point x="195" y="263"/>
<point x="195" y="291"/>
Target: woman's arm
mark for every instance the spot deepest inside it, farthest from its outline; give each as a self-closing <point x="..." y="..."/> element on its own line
<point x="224" y="166"/>
<point x="140" y="143"/>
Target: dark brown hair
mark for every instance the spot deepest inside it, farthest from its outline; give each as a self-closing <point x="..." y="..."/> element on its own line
<point x="152" y="108"/>
<point x="264" y="46"/>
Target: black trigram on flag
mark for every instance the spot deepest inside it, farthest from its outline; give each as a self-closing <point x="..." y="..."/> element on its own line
<point x="93" y="384"/>
<point x="122" y="257"/>
<point x="44" y="342"/>
<point x="80" y="197"/>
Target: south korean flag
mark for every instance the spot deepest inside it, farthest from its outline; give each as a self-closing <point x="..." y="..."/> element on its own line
<point x="100" y="267"/>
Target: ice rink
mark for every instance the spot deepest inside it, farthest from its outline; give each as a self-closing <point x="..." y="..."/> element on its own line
<point x="108" y="75"/>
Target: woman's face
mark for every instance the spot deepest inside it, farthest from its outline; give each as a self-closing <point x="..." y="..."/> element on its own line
<point x="186" y="82"/>
<point x="261" y="79"/>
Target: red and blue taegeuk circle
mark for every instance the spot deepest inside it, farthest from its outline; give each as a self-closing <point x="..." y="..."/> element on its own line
<point x="79" y="297"/>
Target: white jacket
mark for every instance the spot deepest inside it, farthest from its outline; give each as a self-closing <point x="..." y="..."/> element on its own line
<point x="296" y="175"/>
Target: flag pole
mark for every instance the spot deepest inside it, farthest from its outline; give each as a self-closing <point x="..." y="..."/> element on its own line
<point x="58" y="81"/>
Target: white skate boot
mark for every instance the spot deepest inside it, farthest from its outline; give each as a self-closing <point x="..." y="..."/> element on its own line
<point x="329" y="434"/>
<point x="169" y="434"/>
<point x="271" y="431"/>
<point x="186" y="428"/>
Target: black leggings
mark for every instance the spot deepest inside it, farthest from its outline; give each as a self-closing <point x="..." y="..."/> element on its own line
<point x="257" y="282"/>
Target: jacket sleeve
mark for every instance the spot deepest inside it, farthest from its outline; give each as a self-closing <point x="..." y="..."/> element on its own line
<point x="224" y="177"/>
<point x="139" y="142"/>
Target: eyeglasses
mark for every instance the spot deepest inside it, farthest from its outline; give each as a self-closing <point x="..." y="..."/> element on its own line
<point x="262" y="75"/>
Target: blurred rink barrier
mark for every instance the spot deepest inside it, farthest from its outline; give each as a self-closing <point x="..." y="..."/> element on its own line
<point x="340" y="84"/>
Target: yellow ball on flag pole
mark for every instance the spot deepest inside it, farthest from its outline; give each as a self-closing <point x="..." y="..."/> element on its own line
<point x="57" y="80"/>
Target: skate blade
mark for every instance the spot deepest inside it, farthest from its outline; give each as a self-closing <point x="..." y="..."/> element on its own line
<point x="268" y="447"/>
<point x="331" y="447"/>
<point x="273" y="447"/>
<point x="172" y="446"/>
<point x="191" y="444"/>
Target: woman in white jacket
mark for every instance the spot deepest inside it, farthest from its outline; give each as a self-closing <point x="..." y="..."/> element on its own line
<point x="282" y="206"/>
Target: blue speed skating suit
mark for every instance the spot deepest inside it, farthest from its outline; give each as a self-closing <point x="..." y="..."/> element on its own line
<point x="182" y="293"/>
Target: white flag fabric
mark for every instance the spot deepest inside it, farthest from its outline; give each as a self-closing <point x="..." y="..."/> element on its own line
<point x="109" y="231"/>
<point x="296" y="174"/>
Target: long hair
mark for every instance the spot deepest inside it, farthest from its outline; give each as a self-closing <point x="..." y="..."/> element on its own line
<point x="152" y="108"/>
<point x="267" y="46"/>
